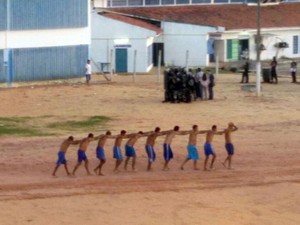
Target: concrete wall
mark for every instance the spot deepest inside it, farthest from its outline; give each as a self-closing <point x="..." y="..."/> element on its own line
<point x="179" y="38"/>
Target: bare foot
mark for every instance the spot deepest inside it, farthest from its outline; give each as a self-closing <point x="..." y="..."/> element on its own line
<point x="100" y="174"/>
<point x="212" y="168"/>
<point x="205" y="169"/>
<point x="224" y="165"/>
<point x="134" y="170"/>
<point x="53" y="175"/>
<point x="95" y="170"/>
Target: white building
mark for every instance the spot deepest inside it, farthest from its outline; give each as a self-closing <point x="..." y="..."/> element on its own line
<point x="122" y="43"/>
<point x="194" y="35"/>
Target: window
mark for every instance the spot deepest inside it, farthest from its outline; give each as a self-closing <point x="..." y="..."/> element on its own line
<point x="182" y="2"/>
<point x="167" y="2"/>
<point x="135" y="2"/>
<point x="151" y="2"/>
<point x="296" y="45"/>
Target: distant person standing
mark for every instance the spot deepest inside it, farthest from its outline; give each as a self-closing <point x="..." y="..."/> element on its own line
<point x="245" y="74"/>
<point x="293" y="71"/>
<point x="204" y="86"/>
<point x="274" y="71"/>
<point x="211" y="85"/>
<point x="198" y="78"/>
<point x="88" y="71"/>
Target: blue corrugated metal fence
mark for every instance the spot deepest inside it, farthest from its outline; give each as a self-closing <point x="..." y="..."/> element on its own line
<point x="44" y="14"/>
<point x="46" y="63"/>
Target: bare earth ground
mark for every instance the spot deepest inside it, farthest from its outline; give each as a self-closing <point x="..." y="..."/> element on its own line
<point x="263" y="188"/>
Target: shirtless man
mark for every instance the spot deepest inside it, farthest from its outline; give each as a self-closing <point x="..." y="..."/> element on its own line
<point x="192" y="146"/>
<point x="228" y="143"/>
<point x="81" y="153"/>
<point x="117" y="149"/>
<point x="129" y="148"/>
<point x="61" y="154"/>
<point x="208" y="150"/>
<point x="150" y="146"/>
<point x="100" y="151"/>
<point x="168" y="153"/>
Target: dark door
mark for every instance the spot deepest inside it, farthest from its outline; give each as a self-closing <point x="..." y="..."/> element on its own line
<point x="121" y="60"/>
<point x="156" y="48"/>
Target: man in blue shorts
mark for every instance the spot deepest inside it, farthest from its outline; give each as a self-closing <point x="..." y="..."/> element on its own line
<point x="81" y="153"/>
<point x="208" y="149"/>
<point x="129" y="148"/>
<point x="61" y="154"/>
<point x="192" y="149"/>
<point x="117" y="152"/>
<point x="150" y="145"/>
<point x="100" y="151"/>
<point x="228" y="144"/>
<point x="168" y="152"/>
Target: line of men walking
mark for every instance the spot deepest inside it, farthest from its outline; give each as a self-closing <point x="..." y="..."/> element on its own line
<point x="149" y="147"/>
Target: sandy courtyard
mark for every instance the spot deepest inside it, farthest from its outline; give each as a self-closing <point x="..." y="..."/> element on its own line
<point x="263" y="188"/>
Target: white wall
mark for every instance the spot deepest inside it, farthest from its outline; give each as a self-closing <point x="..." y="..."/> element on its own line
<point x="105" y="33"/>
<point x="44" y="38"/>
<point x="179" y="38"/>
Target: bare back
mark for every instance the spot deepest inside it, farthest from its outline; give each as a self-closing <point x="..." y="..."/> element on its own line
<point x="132" y="140"/>
<point x="151" y="139"/>
<point x="193" y="138"/>
<point x="65" y="145"/>
<point x="84" y="144"/>
<point x="102" y="141"/>
<point x="209" y="136"/>
<point x="118" y="140"/>
<point x="169" y="137"/>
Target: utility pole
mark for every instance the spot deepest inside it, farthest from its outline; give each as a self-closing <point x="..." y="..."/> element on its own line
<point x="258" y="49"/>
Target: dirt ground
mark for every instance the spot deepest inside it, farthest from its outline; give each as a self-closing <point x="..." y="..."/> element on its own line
<point x="262" y="188"/>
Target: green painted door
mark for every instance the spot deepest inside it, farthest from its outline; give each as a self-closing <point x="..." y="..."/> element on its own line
<point x="121" y="60"/>
<point x="232" y="49"/>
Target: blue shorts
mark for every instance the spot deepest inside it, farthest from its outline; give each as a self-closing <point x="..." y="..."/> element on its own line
<point x="100" y="153"/>
<point x="117" y="153"/>
<point x="208" y="150"/>
<point x="230" y="148"/>
<point x="61" y="158"/>
<point x="88" y="77"/>
<point x="151" y="153"/>
<point x="129" y="151"/>
<point x="81" y="155"/>
<point x="192" y="152"/>
<point x="168" y="153"/>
